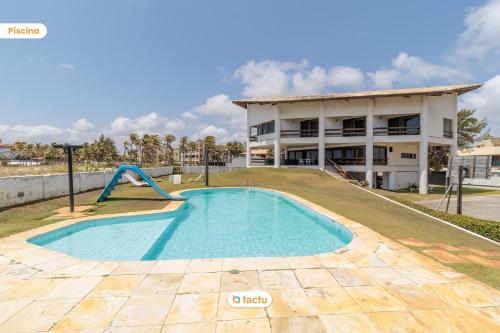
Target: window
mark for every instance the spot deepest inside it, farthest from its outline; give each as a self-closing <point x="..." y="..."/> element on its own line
<point x="265" y="128"/>
<point x="309" y="128"/>
<point x="408" y="125"/>
<point x="354" y="127"/>
<point x="447" y="128"/>
<point x="409" y="155"/>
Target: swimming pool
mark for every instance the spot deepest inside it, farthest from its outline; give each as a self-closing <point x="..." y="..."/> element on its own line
<point x="212" y="223"/>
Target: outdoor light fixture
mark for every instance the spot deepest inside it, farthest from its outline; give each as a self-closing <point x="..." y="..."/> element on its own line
<point x="68" y="150"/>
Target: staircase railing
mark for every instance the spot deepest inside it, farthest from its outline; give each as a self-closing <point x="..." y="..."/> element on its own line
<point x="341" y="171"/>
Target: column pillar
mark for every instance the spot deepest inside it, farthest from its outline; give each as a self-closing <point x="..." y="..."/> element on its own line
<point x="423" y="148"/>
<point x="248" y="157"/>
<point x="453" y="147"/>
<point x="249" y="133"/>
<point x="321" y="137"/>
<point x="277" y="136"/>
<point x="369" y="144"/>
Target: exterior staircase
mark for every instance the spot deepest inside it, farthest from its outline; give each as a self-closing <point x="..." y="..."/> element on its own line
<point x="336" y="171"/>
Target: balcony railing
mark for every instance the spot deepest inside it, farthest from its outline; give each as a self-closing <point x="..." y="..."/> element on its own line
<point x="396" y="131"/>
<point x="253" y="138"/>
<point x="447" y="134"/>
<point x="359" y="161"/>
<point x="299" y="133"/>
<point x="345" y="132"/>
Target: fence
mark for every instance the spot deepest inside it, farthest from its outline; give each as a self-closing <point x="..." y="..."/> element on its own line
<point x="15" y="190"/>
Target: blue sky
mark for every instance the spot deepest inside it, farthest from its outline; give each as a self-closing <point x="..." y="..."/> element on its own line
<point x="173" y="67"/>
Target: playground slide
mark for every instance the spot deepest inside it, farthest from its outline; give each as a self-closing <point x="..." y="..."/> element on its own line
<point x="135" y="182"/>
<point x="118" y="175"/>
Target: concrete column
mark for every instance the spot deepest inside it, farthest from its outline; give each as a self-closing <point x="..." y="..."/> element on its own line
<point x="249" y="133"/>
<point x="277" y="137"/>
<point x="369" y="144"/>
<point x="453" y="147"/>
<point x="248" y="157"/>
<point x="423" y="147"/>
<point x="321" y="137"/>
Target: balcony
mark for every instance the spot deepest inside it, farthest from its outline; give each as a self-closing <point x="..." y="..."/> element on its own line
<point x="359" y="161"/>
<point x="379" y="131"/>
<point x="299" y="133"/>
<point x="345" y="132"/>
<point x="447" y="134"/>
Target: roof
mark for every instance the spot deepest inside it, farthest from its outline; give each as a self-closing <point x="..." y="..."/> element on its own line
<point x="432" y="91"/>
<point x="490" y="151"/>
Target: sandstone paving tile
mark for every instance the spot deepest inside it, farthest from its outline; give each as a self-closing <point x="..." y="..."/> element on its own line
<point x="422" y="275"/>
<point x="260" y="325"/>
<point x="193" y="308"/>
<point x="9" y="308"/>
<point x="387" y="276"/>
<point x="79" y="269"/>
<point x="445" y="256"/>
<point x="290" y="302"/>
<point x="56" y="264"/>
<point x="73" y="287"/>
<point x="227" y="312"/>
<point x="456" y="320"/>
<point x="451" y="275"/>
<point x="310" y="324"/>
<point x="135" y="329"/>
<point x="334" y="260"/>
<point x="103" y="268"/>
<point x="245" y="280"/>
<point x="39" y="315"/>
<point x="15" y="270"/>
<point x="170" y="266"/>
<point x="7" y="284"/>
<point x="279" y="279"/>
<point x="159" y="284"/>
<point x="32" y="257"/>
<point x="133" y="267"/>
<point x="303" y="262"/>
<point x="374" y="298"/>
<point x="189" y="328"/>
<point x="29" y="289"/>
<point x="204" y="265"/>
<point x="370" y="261"/>
<point x="398" y="321"/>
<point x="200" y="283"/>
<point x="332" y="301"/>
<point x="271" y="263"/>
<point x="464" y="294"/>
<point x="349" y="323"/>
<point x="316" y="278"/>
<point x="144" y="310"/>
<point x="93" y="313"/>
<point x="414" y="242"/>
<point x="416" y="297"/>
<point x="352" y="277"/>
<point x="481" y="260"/>
<point x="117" y="285"/>
<point x="241" y="264"/>
<point x="492" y="312"/>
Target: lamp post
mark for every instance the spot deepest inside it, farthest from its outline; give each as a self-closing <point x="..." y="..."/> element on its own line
<point x="68" y="150"/>
<point x="206" y="165"/>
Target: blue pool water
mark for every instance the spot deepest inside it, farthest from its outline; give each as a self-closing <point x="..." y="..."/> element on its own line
<point x="212" y="223"/>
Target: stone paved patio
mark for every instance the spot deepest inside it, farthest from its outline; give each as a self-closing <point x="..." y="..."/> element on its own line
<point x="372" y="285"/>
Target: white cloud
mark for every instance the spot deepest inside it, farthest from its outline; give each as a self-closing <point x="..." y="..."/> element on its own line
<point x="274" y="78"/>
<point x="175" y="125"/>
<point x="82" y="125"/>
<point x="482" y="33"/>
<point x="3" y="128"/>
<point x="344" y="76"/>
<point x="412" y="70"/>
<point x="69" y="67"/>
<point x="148" y="122"/>
<point x="40" y="132"/>
<point x="487" y="102"/>
<point x="221" y="107"/>
<point x="189" y="116"/>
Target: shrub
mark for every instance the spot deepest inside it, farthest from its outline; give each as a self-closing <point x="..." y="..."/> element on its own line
<point x="177" y="170"/>
<point x="486" y="228"/>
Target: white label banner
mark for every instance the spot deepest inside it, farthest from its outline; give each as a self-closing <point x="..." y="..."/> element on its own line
<point x="22" y="30"/>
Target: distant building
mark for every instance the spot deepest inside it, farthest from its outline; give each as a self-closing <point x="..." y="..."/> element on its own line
<point x="5" y="151"/>
<point x="489" y="147"/>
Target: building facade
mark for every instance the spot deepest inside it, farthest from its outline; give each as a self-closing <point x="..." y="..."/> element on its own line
<point x="382" y="137"/>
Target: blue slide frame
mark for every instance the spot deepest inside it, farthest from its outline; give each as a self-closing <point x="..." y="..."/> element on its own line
<point x="135" y="169"/>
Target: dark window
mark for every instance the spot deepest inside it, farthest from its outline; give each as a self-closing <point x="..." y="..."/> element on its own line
<point x="354" y="127"/>
<point x="309" y="128"/>
<point x="408" y="125"/>
<point x="408" y="155"/>
<point x="447" y="128"/>
<point x="265" y="128"/>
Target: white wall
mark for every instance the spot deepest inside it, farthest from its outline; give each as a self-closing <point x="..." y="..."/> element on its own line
<point x="397" y="149"/>
<point x="403" y="179"/>
<point x="440" y="107"/>
<point x="17" y="190"/>
<point x="299" y="110"/>
<point x="258" y="114"/>
<point x="397" y="105"/>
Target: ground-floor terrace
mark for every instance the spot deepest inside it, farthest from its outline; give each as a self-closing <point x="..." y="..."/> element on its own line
<point x="402" y="272"/>
<point x="387" y="165"/>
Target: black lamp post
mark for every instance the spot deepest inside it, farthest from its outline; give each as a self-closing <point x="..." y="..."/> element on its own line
<point x="206" y="165"/>
<point x="68" y="149"/>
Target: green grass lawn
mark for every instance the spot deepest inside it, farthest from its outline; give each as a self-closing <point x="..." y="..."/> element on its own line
<point x="378" y="214"/>
<point x="437" y="192"/>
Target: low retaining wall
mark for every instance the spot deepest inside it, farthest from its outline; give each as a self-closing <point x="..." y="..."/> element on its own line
<point x="17" y="190"/>
<point x="211" y="169"/>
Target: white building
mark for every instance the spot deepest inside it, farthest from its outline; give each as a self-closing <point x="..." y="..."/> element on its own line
<point x="381" y="136"/>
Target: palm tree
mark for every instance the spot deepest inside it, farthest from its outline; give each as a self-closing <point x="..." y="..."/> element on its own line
<point x="169" y="151"/>
<point x="193" y="146"/>
<point x="469" y="127"/>
<point x="183" y="146"/>
<point x="234" y="149"/>
<point x="135" y="140"/>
